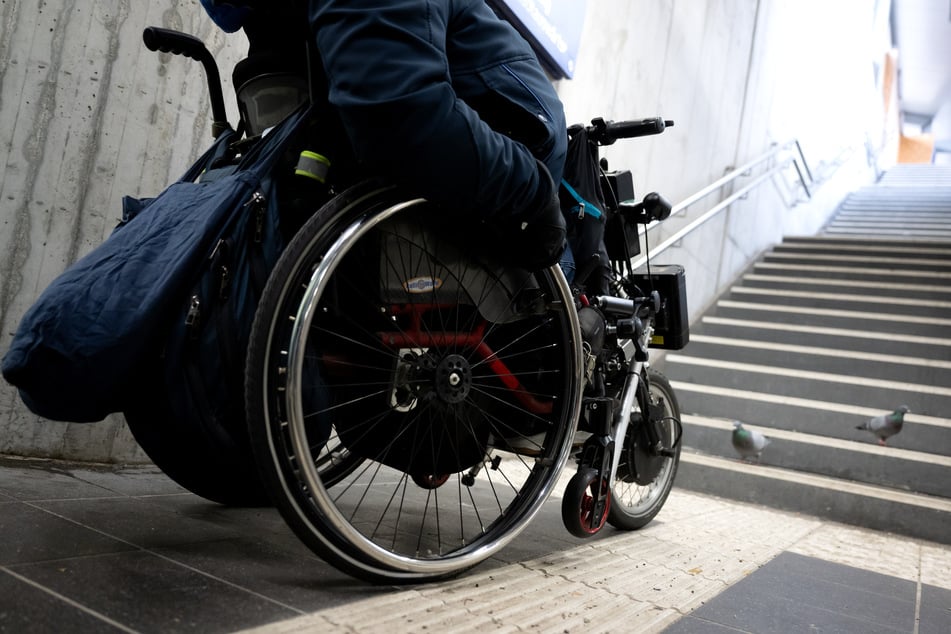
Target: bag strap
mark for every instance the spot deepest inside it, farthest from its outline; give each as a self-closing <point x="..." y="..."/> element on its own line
<point x="262" y="155"/>
<point x="271" y="147"/>
<point x="217" y="149"/>
<point x="584" y="206"/>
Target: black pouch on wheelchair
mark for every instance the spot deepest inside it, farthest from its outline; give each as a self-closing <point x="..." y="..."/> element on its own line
<point x="671" y="327"/>
<point x="582" y="202"/>
<point x="621" y="236"/>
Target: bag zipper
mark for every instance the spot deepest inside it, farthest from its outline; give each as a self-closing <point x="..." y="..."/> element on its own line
<point x="258" y="204"/>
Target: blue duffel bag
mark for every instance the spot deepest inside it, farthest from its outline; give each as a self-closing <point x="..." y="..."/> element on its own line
<point x="81" y="350"/>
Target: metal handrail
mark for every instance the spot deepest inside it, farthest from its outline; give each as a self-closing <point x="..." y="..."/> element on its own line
<point x="802" y="170"/>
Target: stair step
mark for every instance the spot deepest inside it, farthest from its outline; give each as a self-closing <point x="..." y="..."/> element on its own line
<point x="779" y="278"/>
<point x="903" y="249"/>
<point x="921" y="216"/>
<point x="901" y="203"/>
<point x="856" y="339"/>
<point x="936" y="262"/>
<point x="903" y="307"/>
<point x="921" y="388"/>
<point x="828" y="418"/>
<point x="898" y="274"/>
<point x="876" y="507"/>
<point x="857" y="460"/>
<point x="835" y="317"/>
<point x="804" y="354"/>
<point x="882" y="291"/>
<point x="903" y="230"/>
<point x="877" y="240"/>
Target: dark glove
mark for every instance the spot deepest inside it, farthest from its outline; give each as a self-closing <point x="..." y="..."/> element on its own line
<point x="536" y="238"/>
<point x="543" y="240"/>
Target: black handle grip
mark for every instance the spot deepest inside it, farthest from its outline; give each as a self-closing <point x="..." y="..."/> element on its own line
<point x="607" y="132"/>
<point x="176" y="42"/>
<point x="644" y="127"/>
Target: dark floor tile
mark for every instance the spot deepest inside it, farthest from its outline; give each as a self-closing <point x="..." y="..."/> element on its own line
<point x="148" y="593"/>
<point x="852" y="578"/>
<point x="29" y="534"/>
<point x="880" y="599"/>
<point x="25" y="480"/>
<point x="293" y="576"/>
<point x="794" y="593"/>
<point x="130" y="480"/>
<point x="935" y="610"/>
<point x="263" y="524"/>
<point x="746" y="610"/>
<point x="24" y="608"/>
<point x="138" y="522"/>
<point x="255" y="519"/>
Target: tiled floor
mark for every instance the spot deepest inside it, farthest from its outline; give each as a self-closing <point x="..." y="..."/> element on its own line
<point x="100" y="550"/>
<point x="794" y="593"/>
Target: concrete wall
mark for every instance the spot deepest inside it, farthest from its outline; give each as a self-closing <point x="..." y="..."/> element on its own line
<point x="941" y="131"/>
<point x="736" y="76"/>
<point x="88" y="115"/>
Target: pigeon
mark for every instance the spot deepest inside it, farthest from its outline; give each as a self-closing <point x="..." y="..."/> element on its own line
<point x="885" y="426"/>
<point x="749" y="443"/>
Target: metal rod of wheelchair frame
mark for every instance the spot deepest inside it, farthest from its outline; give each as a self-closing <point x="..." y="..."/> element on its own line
<point x="713" y="211"/>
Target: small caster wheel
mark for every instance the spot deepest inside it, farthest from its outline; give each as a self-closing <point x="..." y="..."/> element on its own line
<point x="578" y="504"/>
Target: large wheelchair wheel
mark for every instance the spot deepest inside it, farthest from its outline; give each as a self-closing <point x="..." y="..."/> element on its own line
<point x="447" y="387"/>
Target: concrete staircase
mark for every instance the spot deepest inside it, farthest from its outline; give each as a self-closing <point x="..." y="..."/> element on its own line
<point x="819" y="335"/>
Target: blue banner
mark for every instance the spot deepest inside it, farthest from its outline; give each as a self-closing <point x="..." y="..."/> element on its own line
<point x="553" y="27"/>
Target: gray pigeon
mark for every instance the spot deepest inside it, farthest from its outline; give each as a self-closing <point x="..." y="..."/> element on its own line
<point x="749" y="443"/>
<point x="885" y="426"/>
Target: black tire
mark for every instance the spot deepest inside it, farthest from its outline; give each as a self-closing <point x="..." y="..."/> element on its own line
<point x="578" y="504"/>
<point x="385" y="337"/>
<point x="643" y="480"/>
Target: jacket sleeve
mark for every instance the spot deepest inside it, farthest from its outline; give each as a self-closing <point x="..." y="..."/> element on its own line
<point x="229" y="15"/>
<point x="386" y="62"/>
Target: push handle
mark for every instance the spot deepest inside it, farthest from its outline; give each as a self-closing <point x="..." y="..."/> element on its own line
<point x="175" y="42"/>
<point x="178" y="43"/>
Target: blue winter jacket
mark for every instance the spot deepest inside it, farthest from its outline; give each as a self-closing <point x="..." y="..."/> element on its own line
<point x="444" y="97"/>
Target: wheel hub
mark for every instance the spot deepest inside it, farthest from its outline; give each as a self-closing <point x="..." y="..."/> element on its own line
<point x="453" y="378"/>
<point x="645" y="460"/>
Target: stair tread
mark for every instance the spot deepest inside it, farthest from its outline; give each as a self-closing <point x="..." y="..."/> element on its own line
<point x="878" y="507"/>
<point x="850" y="487"/>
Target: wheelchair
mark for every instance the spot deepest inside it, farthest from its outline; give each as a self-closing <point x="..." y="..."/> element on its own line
<point x="412" y="402"/>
